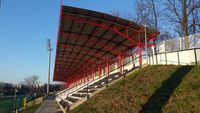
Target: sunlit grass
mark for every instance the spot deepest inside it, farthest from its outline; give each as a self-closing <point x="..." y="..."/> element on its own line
<point x="138" y="91"/>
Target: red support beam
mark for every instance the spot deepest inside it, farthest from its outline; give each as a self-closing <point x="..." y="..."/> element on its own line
<point x="139" y="49"/>
<point x="93" y="74"/>
<point x="87" y="51"/>
<point x="84" y="79"/>
<point x="108" y="70"/>
<point x="99" y="71"/>
<point x="88" y="77"/>
<point x="120" y="63"/>
<point x="140" y="54"/>
<point x="85" y="37"/>
<point x="99" y="25"/>
<point x="114" y="29"/>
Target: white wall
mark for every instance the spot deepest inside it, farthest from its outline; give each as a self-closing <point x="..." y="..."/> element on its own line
<point x="186" y="57"/>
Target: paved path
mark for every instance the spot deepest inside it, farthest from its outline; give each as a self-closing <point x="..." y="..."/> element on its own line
<point x="49" y="106"/>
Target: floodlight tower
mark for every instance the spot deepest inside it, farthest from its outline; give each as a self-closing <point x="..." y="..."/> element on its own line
<point x="49" y="49"/>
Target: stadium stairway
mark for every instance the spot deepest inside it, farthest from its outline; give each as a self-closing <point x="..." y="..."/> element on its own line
<point x="68" y="100"/>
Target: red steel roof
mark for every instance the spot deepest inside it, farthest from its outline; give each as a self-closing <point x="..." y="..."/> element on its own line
<point x="87" y="39"/>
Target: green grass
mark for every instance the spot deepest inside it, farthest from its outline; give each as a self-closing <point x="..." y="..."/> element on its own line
<point x="154" y="89"/>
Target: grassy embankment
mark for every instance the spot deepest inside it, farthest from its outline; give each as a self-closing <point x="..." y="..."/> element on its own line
<point x="153" y="89"/>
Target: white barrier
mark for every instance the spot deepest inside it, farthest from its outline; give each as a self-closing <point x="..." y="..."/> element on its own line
<point x="183" y="57"/>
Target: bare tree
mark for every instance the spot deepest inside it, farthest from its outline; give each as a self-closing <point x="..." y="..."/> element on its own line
<point x="184" y="14"/>
<point x="31" y="81"/>
<point x="147" y="13"/>
<point x="123" y="14"/>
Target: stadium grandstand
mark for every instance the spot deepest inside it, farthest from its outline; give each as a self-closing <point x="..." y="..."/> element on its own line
<point x="93" y="50"/>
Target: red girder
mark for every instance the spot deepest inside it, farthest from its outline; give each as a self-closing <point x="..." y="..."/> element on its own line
<point x="96" y="64"/>
<point x="110" y="48"/>
<point x="94" y="55"/>
<point x="93" y="33"/>
<point x="86" y="47"/>
<point x="81" y="58"/>
<point x="70" y="67"/>
<point x="99" y="25"/>
<point x="134" y="32"/>
<point x="108" y="70"/>
<point x="99" y="71"/>
<point x="75" y="68"/>
<point x="98" y="57"/>
<point x="81" y="68"/>
<point x="87" y="51"/>
<point x="99" y="51"/>
<point x="84" y="37"/>
<point x="120" y="63"/>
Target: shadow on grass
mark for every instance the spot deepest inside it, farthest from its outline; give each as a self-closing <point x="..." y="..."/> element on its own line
<point x="161" y="96"/>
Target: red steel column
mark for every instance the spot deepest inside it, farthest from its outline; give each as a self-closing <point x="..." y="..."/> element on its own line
<point x="88" y="77"/>
<point x="84" y="78"/>
<point x="139" y="49"/>
<point x="99" y="71"/>
<point x="93" y="74"/>
<point x="120" y="62"/>
<point x="140" y="54"/>
<point x="108" y="68"/>
<point x="81" y="77"/>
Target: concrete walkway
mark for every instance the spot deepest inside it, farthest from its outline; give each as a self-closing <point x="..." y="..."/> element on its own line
<point x="49" y="106"/>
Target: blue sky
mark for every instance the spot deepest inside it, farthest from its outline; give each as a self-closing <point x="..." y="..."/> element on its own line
<point x="24" y="27"/>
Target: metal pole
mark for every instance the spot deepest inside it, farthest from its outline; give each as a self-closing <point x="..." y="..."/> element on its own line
<point x="15" y="107"/>
<point x="195" y="55"/>
<point x="181" y="44"/>
<point x="49" y="49"/>
<point x="178" y="58"/>
<point x="140" y="55"/>
<point x="166" y="57"/>
<point x="146" y="43"/>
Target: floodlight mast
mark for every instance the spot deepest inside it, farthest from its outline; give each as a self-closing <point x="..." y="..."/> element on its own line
<point x="49" y="49"/>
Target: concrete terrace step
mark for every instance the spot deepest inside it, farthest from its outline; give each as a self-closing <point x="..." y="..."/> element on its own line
<point x="72" y="99"/>
<point x="64" y="103"/>
<point x="95" y="86"/>
<point x="75" y="97"/>
<point x="67" y="101"/>
<point x="85" y="90"/>
<point x="79" y="95"/>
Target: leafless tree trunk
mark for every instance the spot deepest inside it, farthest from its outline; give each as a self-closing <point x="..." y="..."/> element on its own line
<point x="180" y="13"/>
<point x="147" y="13"/>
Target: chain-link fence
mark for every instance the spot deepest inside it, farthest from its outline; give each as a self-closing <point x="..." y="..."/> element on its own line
<point x="8" y="104"/>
